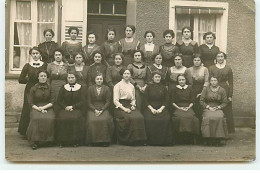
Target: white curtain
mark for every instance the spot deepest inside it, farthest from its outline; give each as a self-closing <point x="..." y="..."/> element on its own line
<point x="206" y="23"/>
<point x="182" y="21"/>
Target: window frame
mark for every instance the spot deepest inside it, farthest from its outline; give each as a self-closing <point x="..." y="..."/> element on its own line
<point x="221" y="21"/>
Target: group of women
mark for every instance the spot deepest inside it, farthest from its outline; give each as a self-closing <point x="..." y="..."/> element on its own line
<point x="125" y="92"/>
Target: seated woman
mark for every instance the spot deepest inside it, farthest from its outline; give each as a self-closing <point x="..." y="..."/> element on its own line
<point x="70" y="121"/>
<point x="185" y="123"/>
<point x="42" y="116"/>
<point x="213" y="99"/>
<point x="156" y="116"/>
<point x="99" y="123"/>
<point x="129" y="121"/>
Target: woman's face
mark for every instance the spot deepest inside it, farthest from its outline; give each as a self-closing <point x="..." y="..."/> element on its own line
<point x="111" y="35"/>
<point x="137" y="57"/>
<point x="78" y="59"/>
<point x="73" y="34"/>
<point x="178" y="61"/>
<point x="168" y="38"/>
<point x="127" y="75"/>
<point x="158" y="59"/>
<point x="209" y="39"/>
<point x="71" y="79"/>
<point x="57" y="56"/>
<point x="149" y="37"/>
<point x="99" y="80"/>
<point x="213" y="82"/>
<point x="157" y="78"/>
<point x="97" y="58"/>
<point x="129" y="32"/>
<point x="48" y="36"/>
<point x="182" y="81"/>
<point x="91" y="38"/>
<point x="186" y="33"/>
<point x="197" y="62"/>
<point x="118" y="60"/>
<point x="220" y="58"/>
<point x="42" y="77"/>
<point x="36" y="55"/>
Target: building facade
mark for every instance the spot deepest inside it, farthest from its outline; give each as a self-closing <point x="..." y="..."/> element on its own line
<point x="233" y="22"/>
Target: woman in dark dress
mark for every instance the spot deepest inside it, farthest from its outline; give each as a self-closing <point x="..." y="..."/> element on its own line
<point x="90" y="48"/>
<point x="70" y="120"/>
<point x="149" y="49"/>
<point x="157" y="66"/>
<point x="224" y="75"/>
<point x="186" y="126"/>
<point x="208" y="50"/>
<point x="72" y="46"/>
<point x="42" y="116"/>
<point x="99" y="123"/>
<point x="139" y="76"/>
<point x="29" y="77"/>
<point x="129" y="44"/>
<point x="110" y="47"/>
<point x="97" y="67"/>
<point x="168" y="50"/>
<point x="129" y="121"/>
<point x="213" y="99"/>
<point x="47" y="48"/>
<point x="156" y="116"/>
<point x="187" y="46"/>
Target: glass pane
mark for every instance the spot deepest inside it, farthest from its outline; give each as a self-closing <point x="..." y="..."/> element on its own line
<point x="23" y="10"/>
<point x="22" y="33"/>
<point x="120" y="8"/>
<point x="93" y="7"/>
<point x="107" y="8"/>
<point x="207" y="23"/>
<point x="41" y="28"/>
<point x="182" y="20"/>
<point x="46" y="11"/>
<point x="20" y="57"/>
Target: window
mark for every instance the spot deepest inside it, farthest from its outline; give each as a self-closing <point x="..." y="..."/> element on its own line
<point x="202" y="17"/>
<point x="29" y="18"/>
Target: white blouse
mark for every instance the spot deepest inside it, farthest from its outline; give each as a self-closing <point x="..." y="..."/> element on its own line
<point x="124" y="90"/>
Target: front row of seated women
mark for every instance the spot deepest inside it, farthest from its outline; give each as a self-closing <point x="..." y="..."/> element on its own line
<point x="78" y="117"/>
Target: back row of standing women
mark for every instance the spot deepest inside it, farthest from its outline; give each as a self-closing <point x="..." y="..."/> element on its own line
<point x="143" y="62"/>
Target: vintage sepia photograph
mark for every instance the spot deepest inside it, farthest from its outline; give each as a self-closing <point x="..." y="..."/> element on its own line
<point x="130" y="81"/>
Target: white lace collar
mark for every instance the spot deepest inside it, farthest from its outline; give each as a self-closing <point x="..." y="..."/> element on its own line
<point x="210" y="45"/>
<point x="180" y="87"/>
<point x="75" y="87"/>
<point x="220" y="66"/>
<point x="36" y="64"/>
<point x="56" y="63"/>
<point x="158" y="67"/>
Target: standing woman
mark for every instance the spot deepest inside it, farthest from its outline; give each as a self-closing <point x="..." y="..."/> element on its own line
<point x="96" y="67"/>
<point x="47" y="48"/>
<point x="186" y="126"/>
<point x="187" y="46"/>
<point x="72" y="46"/>
<point x="168" y="50"/>
<point x="157" y="66"/>
<point x="149" y="49"/>
<point x="129" y="121"/>
<point x="90" y="48"/>
<point x="139" y="76"/>
<point x="129" y="44"/>
<point x="99" y="123"/>
<point x="208" y="50"/>
<point x="58" y="72"/>
<point x="224" y="75"/>
<point x="29" y="77"/>
<point x="42" y="116"/>
<point x="213" y="99"/>
<point x="70" y="121"/>
<point x="110" y="47"/>
<point x="156" y="115"/>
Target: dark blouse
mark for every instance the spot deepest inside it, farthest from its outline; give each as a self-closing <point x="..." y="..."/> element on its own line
<point x="148" y="55"/>
<point x="208" y="55"/>
<point x="164" y="71"/>
<point x="109" y="48"/>
<point x="81" y="75"/>
<point x="29" y="74"/>
<point x="93" y="70"/>
<point x="88" y="53"/>
<point x="70" y="50"/>
<point x="101" y="101"/>
<point x="47" y="50"/>
<point x="181" y="96"/>
<point x="168" y="52"/>
<point x="113" y="76"/>
<point x="138" y="72"/>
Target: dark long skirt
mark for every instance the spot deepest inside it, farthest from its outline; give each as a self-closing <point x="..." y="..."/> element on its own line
<point x="69" y="126"/>
<point x="130" y="126"/>
<point x="139" y="96"/>
<point x="158" y="127"/>
<point x="41" y="127"/>
<point x="99" y="129"/>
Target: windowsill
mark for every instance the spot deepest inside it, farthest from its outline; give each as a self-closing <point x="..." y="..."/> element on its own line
<point x="11" y="76"/>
